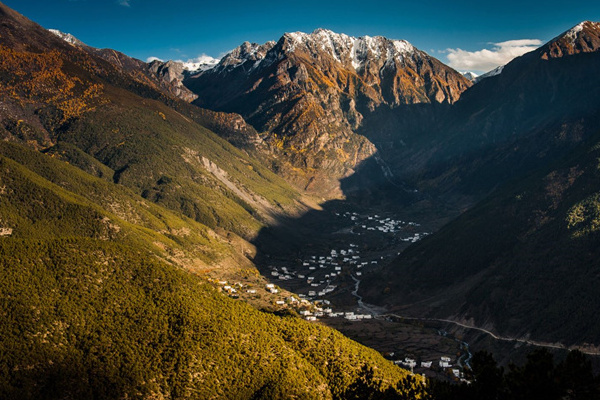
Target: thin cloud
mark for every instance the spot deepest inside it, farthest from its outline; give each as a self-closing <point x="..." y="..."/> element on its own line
<point x="150" y="59"/>
<point x="486" y="59"/>
<point x="124" y="3"/>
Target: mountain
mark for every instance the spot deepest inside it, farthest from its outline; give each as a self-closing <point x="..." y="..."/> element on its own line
<point x="470" y="76"/>
<point x="494" y="72"/>
<point x="165" y="76"/>
<point x="310" y="93"/>
<point x="522" y="262"/>
<point x="170" y="74"/>
<point x="536" y="110"/>
<point x="69" y="96"/>
<point x="201" y="63"/>
<point x="119" y="214"/>
<point x="67" y="37"/>
<point x="582" y="38"/>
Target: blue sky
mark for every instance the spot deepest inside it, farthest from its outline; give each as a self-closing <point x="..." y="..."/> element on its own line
<point x="456" y="32"/>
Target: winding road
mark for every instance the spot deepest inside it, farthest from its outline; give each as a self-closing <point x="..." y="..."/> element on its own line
<point x="497" y="337"/>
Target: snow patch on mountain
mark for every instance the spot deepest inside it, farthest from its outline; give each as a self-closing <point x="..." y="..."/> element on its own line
<point x="573" y="33"/>
<point x="253" y="52"/>
<point x="489" y="74"/>
<point x="67" y="37"/>
<point x="470" y="75"/>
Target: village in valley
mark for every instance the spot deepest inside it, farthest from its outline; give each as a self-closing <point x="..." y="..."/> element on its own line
<point x="317" y="276"/>
<point x="321" y="283"/>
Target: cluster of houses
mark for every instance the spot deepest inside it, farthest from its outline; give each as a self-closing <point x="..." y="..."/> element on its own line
<point x="315" y="276"/>
<point x="317" y="273"/>
<point x="310" y="310"/>
<point x="444" y="363"/>
<point x="328" y="312"/>
<point x="231" y="288"/>
<point x="415" y="238"/>
<point x="380" y="224"/>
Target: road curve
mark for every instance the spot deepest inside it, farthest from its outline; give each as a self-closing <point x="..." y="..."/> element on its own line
<point x="497" y="337"/>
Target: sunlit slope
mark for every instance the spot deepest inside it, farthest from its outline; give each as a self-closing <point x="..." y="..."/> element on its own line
<point x="96" y="302"/>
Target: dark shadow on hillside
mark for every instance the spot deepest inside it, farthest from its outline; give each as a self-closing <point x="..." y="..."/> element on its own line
<point x="371" y="195"/>
<point x="368" y="190"/>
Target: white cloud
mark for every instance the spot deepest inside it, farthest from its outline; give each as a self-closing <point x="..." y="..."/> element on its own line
<point x="124" y="3"/>
<point x="202" y="59"/>
<point x="150" y="59"/>
<point x="485" y="59"/>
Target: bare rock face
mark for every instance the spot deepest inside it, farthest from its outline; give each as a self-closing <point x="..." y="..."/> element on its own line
<point x="170" y="76"/>
<point x="309" y="93"/>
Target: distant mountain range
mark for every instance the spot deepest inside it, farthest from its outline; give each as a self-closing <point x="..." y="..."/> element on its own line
<point x="455" y="142"/>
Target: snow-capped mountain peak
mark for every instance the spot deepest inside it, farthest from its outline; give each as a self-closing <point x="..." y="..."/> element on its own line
<point x="348" y="50"/>
<point x="200" y="63"/>
<point x="573" y="33"/>
<point x="253" y="52"/>
<point x="470" y="75"/>
<point x="582" y="38"/>
<point x="489" y="74"/>
<point x="67" y="37"/>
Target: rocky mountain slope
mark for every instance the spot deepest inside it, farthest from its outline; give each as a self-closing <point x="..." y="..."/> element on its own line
<point x="522" y="262"/>
<point x="582" y="38"/>
<point x="167" y="76"/>
<point x="309" y="93"/>
<point x="535" y="110"/>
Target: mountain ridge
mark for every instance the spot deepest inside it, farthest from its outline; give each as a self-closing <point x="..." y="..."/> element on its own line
<point x="582" y="38"/>
<point x="308" y="98"/>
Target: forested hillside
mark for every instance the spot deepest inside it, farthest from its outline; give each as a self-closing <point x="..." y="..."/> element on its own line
<point x="117" y="210"/>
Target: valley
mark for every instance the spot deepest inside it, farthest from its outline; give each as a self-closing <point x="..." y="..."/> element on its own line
<point x="326" y="255"/>
<point x="320" y="216"/>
